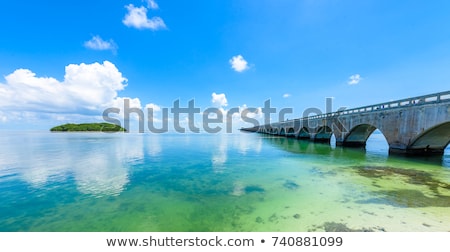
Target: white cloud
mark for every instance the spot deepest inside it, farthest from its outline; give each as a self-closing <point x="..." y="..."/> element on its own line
<point x="354" y="79"/>
<point x="151" y="117"/>
<point x="152" y="4"/>
<point x="219" y="100"/>
<point x="286" y="95"/>
<point x="3" y="117"/>
<point x="118" y="102"/>
<point x="256" y="112"/>
<point x="153" y="106"/>
<point x="86" y="89"/>
<point x="238" y="63"/>
<point x="97" y="43"/>
<point x="137" y="18"/>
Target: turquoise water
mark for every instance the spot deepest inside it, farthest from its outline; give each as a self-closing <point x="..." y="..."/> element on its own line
<point x="236" y="182"/>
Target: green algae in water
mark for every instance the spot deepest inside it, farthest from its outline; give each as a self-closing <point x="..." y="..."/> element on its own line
<point x="403" y="197"/>
<point x="254" y="189"/>
<point x="408" y="198"/>
<point x="413" y="176"/>
<point x="341" y="227"/>
<point x="291" y="185"/>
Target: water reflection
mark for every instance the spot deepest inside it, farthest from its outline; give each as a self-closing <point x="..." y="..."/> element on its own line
<point x="446" y="157"/>
<point x="219" y="155"/>
<point x="299" y="146"/>
<point x="245" y="182"/>
<point x="99" y="175"/>
<point x="21" y="156"/>
<point x="377" y="150"/>
<point x="243" y="143"/>
<point x="98" y="163"/>
<point x="153" y="145"/>
<point x="247" y="142"/>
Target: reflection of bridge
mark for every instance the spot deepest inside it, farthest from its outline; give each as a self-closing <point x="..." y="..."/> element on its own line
<point x="418" y="125"/>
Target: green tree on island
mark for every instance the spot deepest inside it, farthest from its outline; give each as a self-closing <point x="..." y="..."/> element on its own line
<point x="91" y="127"/>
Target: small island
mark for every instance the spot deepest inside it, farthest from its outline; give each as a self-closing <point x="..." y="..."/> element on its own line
<point x="88" y="127"/>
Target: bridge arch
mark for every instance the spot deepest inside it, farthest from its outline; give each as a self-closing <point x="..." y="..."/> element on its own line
<point x="282" y="132"/>
<point x="432" y="140"/>
<point x="358" y="135"/>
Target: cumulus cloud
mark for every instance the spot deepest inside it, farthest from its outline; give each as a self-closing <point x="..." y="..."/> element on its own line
<point x="354" y="79"/>
<point x="137" y="18"/>
<point x="251" y="112"/>
<point x="86" y="89"/>
<point x="152" y="4"/>
<point x="219" y="100"/>
<point x="97" y="43"/>
<point x="234" y="115"/>
<point x="238" y="63"/>
<point x="153" y="106"/>
<point x="119" y="103"/>
<point x="286" y="95"/>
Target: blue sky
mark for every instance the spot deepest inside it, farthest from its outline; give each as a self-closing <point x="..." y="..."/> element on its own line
<point x="66" y="61"/>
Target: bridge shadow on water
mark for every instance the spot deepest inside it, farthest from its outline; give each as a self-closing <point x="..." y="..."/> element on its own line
<point x="376" y="150"/>
<point x="305" y="147"/>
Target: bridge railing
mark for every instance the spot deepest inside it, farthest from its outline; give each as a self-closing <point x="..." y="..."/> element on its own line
<point x="408" y="102"/>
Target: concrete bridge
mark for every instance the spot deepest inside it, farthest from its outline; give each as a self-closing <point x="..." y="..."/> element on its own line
<point x="417" y="125"/>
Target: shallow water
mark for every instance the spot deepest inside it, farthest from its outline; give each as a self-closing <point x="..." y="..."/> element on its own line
<point x="238" y="182"/>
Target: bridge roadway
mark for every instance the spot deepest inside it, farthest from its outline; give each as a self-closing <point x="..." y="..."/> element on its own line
<point x="418" y="125"/>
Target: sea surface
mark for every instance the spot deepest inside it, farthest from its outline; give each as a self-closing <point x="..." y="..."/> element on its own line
<point x="215" y="182"/>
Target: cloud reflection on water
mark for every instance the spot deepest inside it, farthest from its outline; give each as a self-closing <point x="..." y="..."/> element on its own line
<point x="98" y="163"/>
